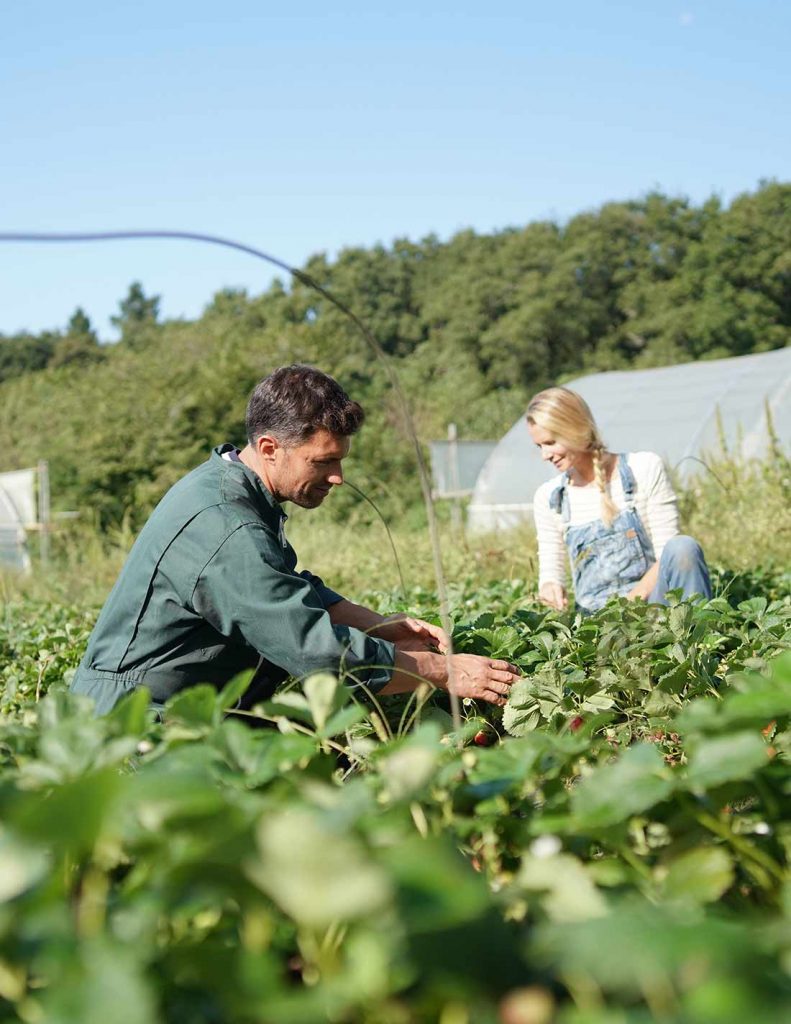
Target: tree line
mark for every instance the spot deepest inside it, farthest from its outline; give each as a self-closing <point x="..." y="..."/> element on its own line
<point x="78" y="343"/>
<point x="475" y="325"/>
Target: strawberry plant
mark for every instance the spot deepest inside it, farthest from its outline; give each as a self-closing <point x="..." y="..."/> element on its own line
<point x="612" y="846"/>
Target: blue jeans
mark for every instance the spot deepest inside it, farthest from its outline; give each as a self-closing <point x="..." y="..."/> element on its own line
<point x="682" y="565"/>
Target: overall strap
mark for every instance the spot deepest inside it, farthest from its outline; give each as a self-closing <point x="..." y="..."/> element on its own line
<point x="627" y="479"/>
<point x="559" y="500"/>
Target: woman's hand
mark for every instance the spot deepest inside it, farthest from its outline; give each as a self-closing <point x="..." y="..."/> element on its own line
<point x="641" y="591"/>
<point x="554" y="594"/>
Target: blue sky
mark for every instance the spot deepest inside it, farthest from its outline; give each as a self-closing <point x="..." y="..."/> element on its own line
<point x="316" y="127"/>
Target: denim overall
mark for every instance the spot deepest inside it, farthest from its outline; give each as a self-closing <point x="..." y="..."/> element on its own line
<point x="605" y="560"/>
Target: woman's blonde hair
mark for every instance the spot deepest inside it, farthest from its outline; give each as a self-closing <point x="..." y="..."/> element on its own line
<point x="566" y="415"/>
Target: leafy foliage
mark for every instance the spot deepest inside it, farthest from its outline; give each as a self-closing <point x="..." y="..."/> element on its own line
<point x="474" y="325"/>
<point x="137" y="314"/>
<point x="361" y="863"/>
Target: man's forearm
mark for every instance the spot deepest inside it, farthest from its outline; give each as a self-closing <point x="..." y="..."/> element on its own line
<point x="412" y="668"/>
<point x="347" y="613"/>
<point x="417" y="657"/>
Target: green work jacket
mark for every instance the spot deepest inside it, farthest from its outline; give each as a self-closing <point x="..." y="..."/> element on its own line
<point x="210" y="589"/>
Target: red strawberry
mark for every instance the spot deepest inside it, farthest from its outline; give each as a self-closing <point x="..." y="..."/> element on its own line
<point x="483" y="738"/>
<point x="576" y="723"/>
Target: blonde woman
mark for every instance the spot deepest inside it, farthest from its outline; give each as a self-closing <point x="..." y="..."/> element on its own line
<point x="616" y="514"/>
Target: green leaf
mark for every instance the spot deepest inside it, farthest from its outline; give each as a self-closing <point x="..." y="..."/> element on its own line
<point x="600" y="701"/>
<point x="107" y="983"/>
<point x="409" y="769"/>
<point x="757" y="701"/>
<point x="289" y="704"/>
<point x="674" y="678"/>
<point x="518" y="721"/>
<point x="698" y="876"/>
<point x="501" y="642"/>
<point x="324" y="694"/>
<point x="725" y="759"/>
<point x="436" y="887"/>
<point x="261" y="755"/>
<point x="754" y="607"/>
<point x="571" y="894"/>
<point x="70" y="816"/>
<point x="130" y="714"/>
<point x="637" y="781"/>
<point x="194" y="706"/>
<point x="314" y="873"/>
<point x="343" y="720"/>
<point x="21" y="865"/>
<point x="641" y="945"/>
<point x="175" y="787"/>
<point x="659" y="703"/>
<point x="544" y="640"/>
<point x="679" y="619"/>
<point x="233" y="691"/>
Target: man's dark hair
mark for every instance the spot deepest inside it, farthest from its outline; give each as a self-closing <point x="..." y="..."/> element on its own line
<point x="295" y="401"/>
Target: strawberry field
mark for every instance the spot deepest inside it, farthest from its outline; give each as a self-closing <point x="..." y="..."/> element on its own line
<point x="610" y="847"/>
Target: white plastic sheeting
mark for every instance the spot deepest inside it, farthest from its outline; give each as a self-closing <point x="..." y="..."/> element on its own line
<point x="13" y="539"/>
<point x="456" y="465"/>
<point x="673" y="410"/>
<point x="17" y="511"/>
<point x="19" y="487"/>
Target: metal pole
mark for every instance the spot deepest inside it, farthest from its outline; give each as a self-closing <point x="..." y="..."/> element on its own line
<point x="453" y="473"/>
<point x="43" y="511"/>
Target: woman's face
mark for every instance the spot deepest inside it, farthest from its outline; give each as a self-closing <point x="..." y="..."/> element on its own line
<point x="560" y="455"/>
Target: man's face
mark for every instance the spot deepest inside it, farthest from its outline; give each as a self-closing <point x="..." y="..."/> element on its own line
<point x="307" y="472"/>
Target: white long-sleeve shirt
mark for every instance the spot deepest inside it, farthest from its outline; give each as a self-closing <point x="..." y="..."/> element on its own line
<point x="655" y="502"/>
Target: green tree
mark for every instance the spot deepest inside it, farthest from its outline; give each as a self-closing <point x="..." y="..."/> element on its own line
<point x="25" y="353"/>
<point x="80" y="325"/>
<point x="80" y="343"/>
<point x="474" y="326"/>
<point x="138" y="313"/>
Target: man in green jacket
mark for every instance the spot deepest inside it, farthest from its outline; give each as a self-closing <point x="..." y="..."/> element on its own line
<point x="210" y="586"/>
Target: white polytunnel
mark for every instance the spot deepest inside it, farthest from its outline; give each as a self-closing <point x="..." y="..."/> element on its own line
<point x="13" y="539"/>
<point x="677" y="411"/>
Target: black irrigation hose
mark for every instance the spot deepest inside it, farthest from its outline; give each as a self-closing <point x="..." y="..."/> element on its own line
<point x="306" y="279"/>
<point x="705" y="465"/>
<point x="373" y="505"/>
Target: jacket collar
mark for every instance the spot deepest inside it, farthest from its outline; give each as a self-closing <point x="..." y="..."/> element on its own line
<point x="271" y="509"/>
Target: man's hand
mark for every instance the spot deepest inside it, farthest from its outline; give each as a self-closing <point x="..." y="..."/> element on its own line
<point x="472" y="675"/>
<point x="482" y="678"/>
<point x="410" y="633"/>
<point x="553" y="594"/>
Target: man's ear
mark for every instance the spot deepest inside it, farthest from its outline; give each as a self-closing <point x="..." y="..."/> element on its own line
<point x="266" y="446"/>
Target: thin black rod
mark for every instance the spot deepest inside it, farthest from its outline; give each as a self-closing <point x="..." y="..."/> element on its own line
<point x="384" y="522"/>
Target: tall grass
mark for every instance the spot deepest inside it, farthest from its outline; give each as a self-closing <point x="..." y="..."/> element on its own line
<point x="740" y="510"/>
